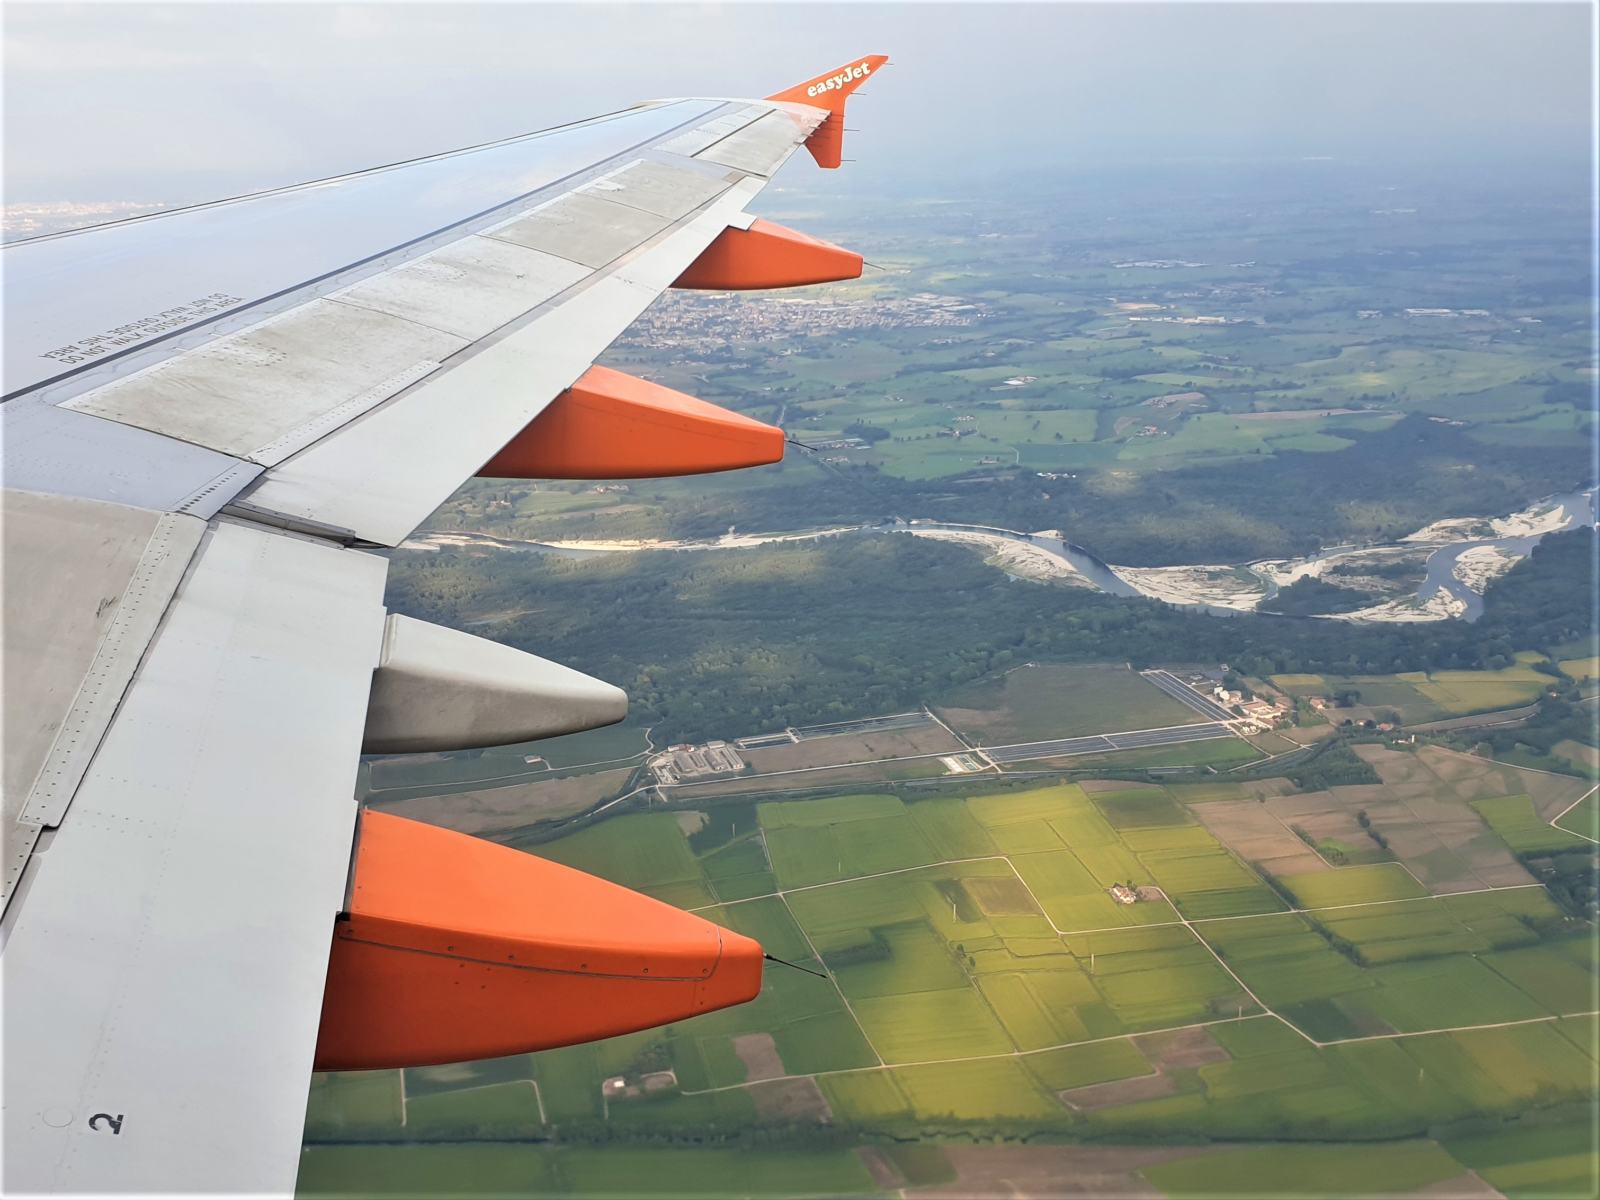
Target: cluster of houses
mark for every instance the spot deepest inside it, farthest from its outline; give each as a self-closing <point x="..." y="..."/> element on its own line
<point x="1258" y="714"/>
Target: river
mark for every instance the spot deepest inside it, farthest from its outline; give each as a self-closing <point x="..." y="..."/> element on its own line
<point x="1580" y="510"/>
<point x="1577" y="508"/>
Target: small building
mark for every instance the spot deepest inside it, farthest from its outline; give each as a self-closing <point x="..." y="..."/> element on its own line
<point x="683" y="761"/>
<point x="1260" y="710"/>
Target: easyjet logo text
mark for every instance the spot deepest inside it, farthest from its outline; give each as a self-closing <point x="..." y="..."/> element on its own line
<point x="835" y="82"/>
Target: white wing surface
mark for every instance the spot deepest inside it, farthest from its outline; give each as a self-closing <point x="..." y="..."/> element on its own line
<point x="213" y="417"/>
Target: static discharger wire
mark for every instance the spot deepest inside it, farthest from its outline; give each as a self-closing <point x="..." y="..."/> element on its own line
<point x="849" y="480"/>
<point x="784" y="963"/>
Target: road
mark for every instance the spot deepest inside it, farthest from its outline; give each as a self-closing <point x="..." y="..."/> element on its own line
<point x="1179" y="690"/>
<point x="1100" y="743"/>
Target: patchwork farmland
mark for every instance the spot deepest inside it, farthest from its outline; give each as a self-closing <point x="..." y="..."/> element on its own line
<point x="1094" y="960"/>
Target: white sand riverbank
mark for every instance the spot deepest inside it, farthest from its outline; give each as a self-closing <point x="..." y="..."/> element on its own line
<point x="1023" y="559"/>
<point x="1535" y="520"/>
<point x="1480" y="566"/>
<point x="1438" y="607"/>
<point x="1221" y="586"/>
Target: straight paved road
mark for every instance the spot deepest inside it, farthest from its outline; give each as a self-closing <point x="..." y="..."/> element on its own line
<point x="1179" y="690"/>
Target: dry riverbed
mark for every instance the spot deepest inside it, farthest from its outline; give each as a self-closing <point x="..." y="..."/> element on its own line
<point x="1240" y="588"/>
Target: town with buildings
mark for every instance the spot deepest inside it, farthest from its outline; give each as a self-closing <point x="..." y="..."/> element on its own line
<point x="696" y="326"/>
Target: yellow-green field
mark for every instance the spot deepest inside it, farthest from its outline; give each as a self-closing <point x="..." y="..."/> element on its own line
<point x="1584" y="818"/>
<point x="1517" y="823"/>
<point x="980" y="974"/>
<point x="1581" y="668"/>
<point x="1460" y="692"/>
<point x="1426" y="696"/>
<point x="1301" y="684"/>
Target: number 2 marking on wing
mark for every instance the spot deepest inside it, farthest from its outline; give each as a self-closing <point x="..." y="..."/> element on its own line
<point x="112" y="1123"/>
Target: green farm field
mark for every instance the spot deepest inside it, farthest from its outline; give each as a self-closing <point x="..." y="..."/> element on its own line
<point x="1515" y="820"/>
<point x="1053" y="701"/>
<point x="1583" y="818"/>
<point x="980" y="975"/>
<point x="615" y="745"/>
<point x="1421" y="696"/>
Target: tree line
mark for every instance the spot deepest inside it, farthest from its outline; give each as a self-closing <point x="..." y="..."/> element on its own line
<point x="714" y="644"/>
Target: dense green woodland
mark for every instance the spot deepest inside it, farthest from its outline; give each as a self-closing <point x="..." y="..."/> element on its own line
<point x="1289" y="503"/>
<point x="1562" y="716"/>
<point x="712" y="644"/>
<point x="1309" y="596"/>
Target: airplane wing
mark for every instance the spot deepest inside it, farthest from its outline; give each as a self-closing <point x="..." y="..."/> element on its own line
<point x="215" y="421"/>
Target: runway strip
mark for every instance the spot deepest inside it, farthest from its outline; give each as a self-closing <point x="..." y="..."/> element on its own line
<point x="1178" y="690"/>
<point x="1101" y="743"/>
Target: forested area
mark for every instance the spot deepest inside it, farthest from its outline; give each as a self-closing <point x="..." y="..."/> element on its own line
<point x="1309" y="595"/>
<point x="1561" y="717"/>
<point x="1280" y="505"/>
<point x="714" y="643"/>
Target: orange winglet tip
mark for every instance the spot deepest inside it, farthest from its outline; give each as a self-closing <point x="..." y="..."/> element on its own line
<point x="610" y="425"/>
<point x="768" y="255"/>
<point x="455" y="948"/>
<point x="830" y="90"/>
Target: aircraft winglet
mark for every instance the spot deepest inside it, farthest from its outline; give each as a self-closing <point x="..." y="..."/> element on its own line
<point x="830" y="90"/>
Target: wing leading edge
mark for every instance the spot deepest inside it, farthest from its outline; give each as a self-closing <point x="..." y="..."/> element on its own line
<point x="212" y="418"/>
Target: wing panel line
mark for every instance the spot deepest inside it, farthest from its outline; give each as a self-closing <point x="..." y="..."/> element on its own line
<point x="485" y="216"/>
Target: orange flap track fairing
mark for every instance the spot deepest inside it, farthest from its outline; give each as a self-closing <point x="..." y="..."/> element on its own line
<point x="455" y="948"/>
<point x="610" y="425"/>
<point x="829" y="91"/>
<point x="768" y="255"/>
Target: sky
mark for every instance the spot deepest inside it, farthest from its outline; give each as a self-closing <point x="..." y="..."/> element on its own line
<point x="179" y="103"/>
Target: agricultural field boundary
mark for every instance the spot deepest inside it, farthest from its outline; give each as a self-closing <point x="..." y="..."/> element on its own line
<point x="1552" y="821"/>
<point x="1569" y="808"/>
<point x="538" y="1096"/>
<point x="1146" y="1033"/>
<point x="1266" y="1011"/>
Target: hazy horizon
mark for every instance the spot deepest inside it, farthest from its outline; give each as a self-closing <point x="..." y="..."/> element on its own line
<point x="178" y="103"/>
